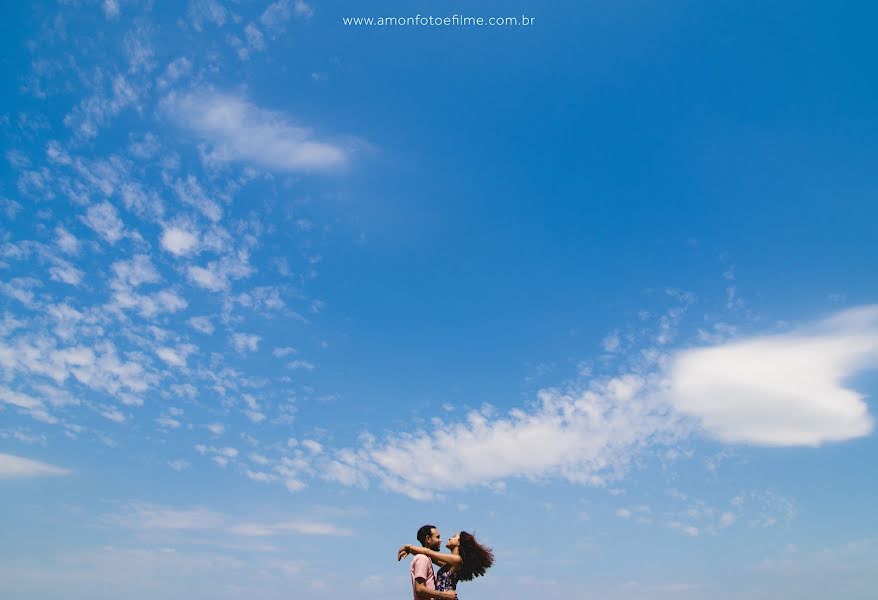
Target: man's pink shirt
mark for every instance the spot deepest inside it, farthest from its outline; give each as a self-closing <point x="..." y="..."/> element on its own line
<point x="422" y="567"/>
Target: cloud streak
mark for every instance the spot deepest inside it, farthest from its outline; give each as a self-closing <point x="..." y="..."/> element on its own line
<point x="18" y="467"/>
<point x="238" y="131"/>
<point x="587" y="435"/>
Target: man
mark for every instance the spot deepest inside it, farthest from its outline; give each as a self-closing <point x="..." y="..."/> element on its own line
<point x="423" y="578"/>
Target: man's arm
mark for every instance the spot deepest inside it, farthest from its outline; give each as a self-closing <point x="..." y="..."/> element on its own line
<point x="423" y="591"/>
<point x="440" y="558"/>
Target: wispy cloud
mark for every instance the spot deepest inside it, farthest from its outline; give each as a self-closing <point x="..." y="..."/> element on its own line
<point x="18" y="467"/>
<point x="202" y="324"/>
<point x="302" y="527"/>
<point x="239" y="131"/>
<point x="278" y="13"/>
<point x="218" y="274"/>
<point x="176" y="357"/>
<point x="583" y="435"/>
<point x="245" y="342"/>
<point x="99" y="109"/>
<point x="105" y="221"/>
<point x="142" y="515"/>
<point x="202" y="11"/>
<point x="145" y="516"/>
<point x="111" y="9"/>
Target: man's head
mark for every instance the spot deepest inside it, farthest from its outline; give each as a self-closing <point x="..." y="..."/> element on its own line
<point x="429" y="537"/>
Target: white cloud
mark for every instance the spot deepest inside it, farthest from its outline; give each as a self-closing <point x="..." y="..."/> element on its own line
<point x="283" y="351"/>
<point x="139" y="50"/>
<point x="66" y="241"/>
<point x="294" y="485"/>
<point x="640" y="513"/>
<point x="179" y="464"/>
<point x="221" y="456"/>
<point x="185" y="390"/>
<point x="168" y="422"/>
<point x="201" y="11"/>
<point x="303" y="9"/>
<point x="179" y="241"/>
<point x="21" y="289"/>
<point x="245" y="342"/>
<point x="312" y="446"/>
<point x="111" y="413"/>
<point x="130" y="275"/>
<point x="149" y="305"/>
<point x="689" y="530"/>
<point x="258" y="459"/>
<point x="18" y="467"/>
<point x="111" y="9"/>
<point x="145" y="516"/>
<point x="140" y="202"/>
<point x="158" y="520"/>
<point x="99" y="109"/>
<point x="782" y="390"/>
<point x="175" y="357"/>
<point x="276" y="14"/>
<point x="97" y="367"/>
<point x="240" y="131"/>
<point x="217" y="275"/>
<point x="259" y="476"/>
<point x="202" y="324"/>
<point x="255" y="415"/>
<point x="191" y="192"/>
<point x="254" y="37"/>
<point x="726" y="519"/>
<point x="145" y="146"/>
<point x="768" y="508"/>
<point x="207" y="278"/>
<point x="28" y="404"/>
<point x="104" y="219"/>
<point x="134" y="273"/>
<point x="216" y="428"/>
<point x="612" y="342"/>
<point x="241" y="50"/>
<point x="66" y="273"/>
<point x="175" y="70"/>
<point x="261" y="298"/>
<point x="302" y="527"/>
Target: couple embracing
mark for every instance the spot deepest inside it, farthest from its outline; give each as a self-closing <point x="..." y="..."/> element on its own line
<point x="466" y="558"/>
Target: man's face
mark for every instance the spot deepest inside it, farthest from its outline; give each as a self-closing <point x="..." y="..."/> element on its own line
<point x="434" y="540"/>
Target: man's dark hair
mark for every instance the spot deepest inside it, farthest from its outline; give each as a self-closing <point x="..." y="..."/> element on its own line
<point x="424" y="533"/>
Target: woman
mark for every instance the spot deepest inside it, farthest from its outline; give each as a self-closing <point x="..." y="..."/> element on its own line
<point x="467" y="559"/>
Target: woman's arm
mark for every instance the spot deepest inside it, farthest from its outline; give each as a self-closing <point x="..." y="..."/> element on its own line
<point x="452" y="560"/>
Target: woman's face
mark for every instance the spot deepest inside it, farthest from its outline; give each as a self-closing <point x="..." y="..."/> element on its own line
<point x="453" y="542"/>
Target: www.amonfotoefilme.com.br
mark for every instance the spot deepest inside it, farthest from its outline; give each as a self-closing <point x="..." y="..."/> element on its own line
<point x="454" y="20"/>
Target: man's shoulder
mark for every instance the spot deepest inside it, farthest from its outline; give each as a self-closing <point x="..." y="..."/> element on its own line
<point x="419" y="558"/>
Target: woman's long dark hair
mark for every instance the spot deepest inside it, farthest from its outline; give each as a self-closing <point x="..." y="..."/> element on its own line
<point x="475" y="558"/>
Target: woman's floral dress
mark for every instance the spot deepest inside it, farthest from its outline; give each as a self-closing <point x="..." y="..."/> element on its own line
<point x="445" y="580"/>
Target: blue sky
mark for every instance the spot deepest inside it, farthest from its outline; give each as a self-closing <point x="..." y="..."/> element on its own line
<point x="276" y="291"/>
